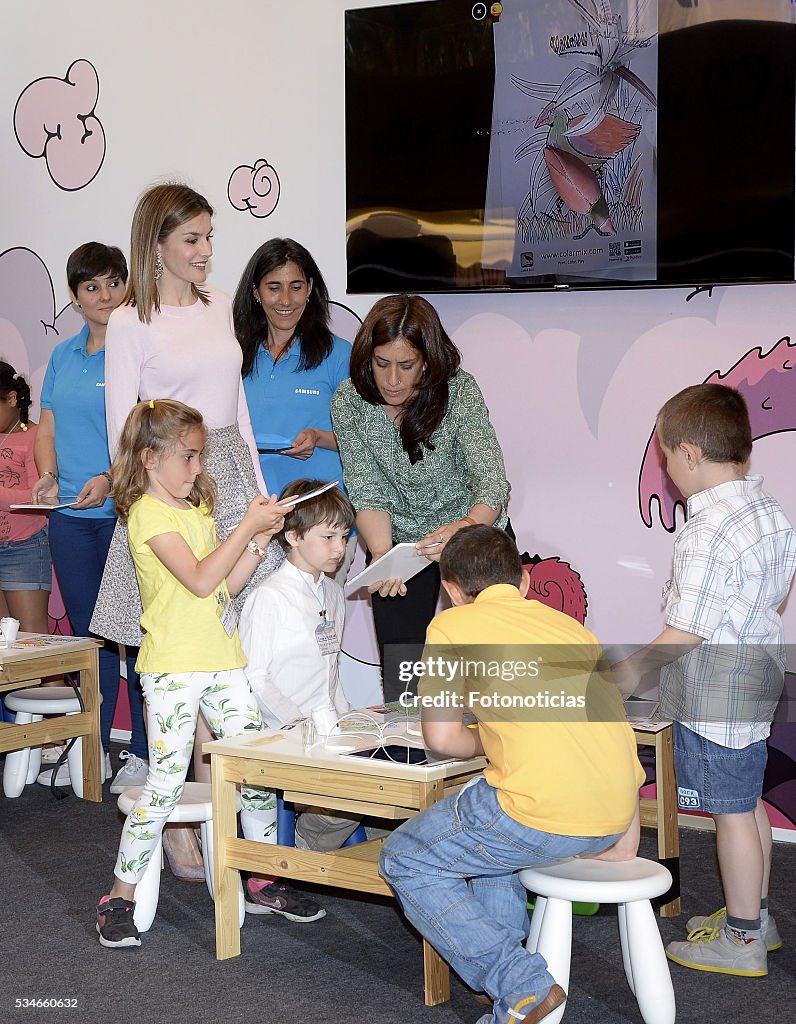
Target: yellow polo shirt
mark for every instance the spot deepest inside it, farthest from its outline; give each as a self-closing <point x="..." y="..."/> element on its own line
<point x="561" y="753"/>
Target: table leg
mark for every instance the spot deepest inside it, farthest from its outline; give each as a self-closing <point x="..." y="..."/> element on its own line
<point x="225" y="879"/>
<point x="668" y="834"/>
<point x="92" y="743"/>
<point x="436" y="973"/>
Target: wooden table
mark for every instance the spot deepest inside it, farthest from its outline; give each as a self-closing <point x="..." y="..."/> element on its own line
<point x="661" y="813"/>
<point x="379" y="789"/>
<point x="32" y="659"/>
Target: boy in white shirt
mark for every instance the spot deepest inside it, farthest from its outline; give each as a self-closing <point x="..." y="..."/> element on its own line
<point x="290" y="628"/>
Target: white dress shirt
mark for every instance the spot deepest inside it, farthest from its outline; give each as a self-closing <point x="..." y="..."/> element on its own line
<point x="288" y="674"/>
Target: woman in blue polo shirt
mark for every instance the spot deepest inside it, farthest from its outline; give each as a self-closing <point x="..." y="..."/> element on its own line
<point x="292" y="363"/>
<point x="72" y="458"/>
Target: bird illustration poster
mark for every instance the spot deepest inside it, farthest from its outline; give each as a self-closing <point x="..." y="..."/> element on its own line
<point x="573" y="138"/>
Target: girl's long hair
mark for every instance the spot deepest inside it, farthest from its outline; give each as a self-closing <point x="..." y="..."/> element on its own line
<point x="414" y="319"/>
<point x="251" y="323"/>
<point x="156" y="426"/>
<point x="160" y="210"/>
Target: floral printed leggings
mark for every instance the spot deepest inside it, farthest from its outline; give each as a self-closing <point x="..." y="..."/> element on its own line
<point x="172" y="706"/>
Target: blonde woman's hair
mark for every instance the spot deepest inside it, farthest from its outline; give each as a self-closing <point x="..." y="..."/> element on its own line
<point x="160" y="210"/>
<point x="155" y="426"/>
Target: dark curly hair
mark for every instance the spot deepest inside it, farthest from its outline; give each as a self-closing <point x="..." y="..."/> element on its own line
<point x="414" y="319"/>
<point x="10" y="381"/>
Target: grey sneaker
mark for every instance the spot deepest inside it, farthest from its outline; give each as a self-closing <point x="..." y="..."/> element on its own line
<point x="718" y="919"/>
<point x="50" y="755"/>
<point x="62" y="777"/>
<point x="132" y="773"/>
<point x="711" y="949"/>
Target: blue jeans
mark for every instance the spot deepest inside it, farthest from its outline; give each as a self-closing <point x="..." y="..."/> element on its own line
<point x="79" y="547"/>
<point x="454" y="870"/>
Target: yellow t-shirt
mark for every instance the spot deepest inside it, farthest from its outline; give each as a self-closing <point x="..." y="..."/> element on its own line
<point x="561" y="754"/>
<point x="182" y="632"/>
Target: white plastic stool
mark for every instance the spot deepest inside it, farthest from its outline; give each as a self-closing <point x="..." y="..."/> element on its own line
<point x="22" y="766"/>
<point x="631" y="885"/>
<point x="195" y="805"/>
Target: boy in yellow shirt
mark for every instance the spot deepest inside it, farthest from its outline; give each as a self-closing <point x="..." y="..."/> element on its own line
<point x="562" y="779"/>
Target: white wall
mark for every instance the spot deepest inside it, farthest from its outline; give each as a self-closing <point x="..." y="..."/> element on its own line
<point x="192" y="90"/>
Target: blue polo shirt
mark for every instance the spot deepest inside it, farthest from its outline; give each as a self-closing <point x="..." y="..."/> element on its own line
<point x="74" y="391"/>
<point x="284" y="400"/>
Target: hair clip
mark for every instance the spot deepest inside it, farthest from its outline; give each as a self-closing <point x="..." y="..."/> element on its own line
<point x="151" y="403"/>
<point x="15" y="376"/>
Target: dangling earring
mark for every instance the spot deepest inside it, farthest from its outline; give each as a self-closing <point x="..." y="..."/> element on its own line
<point x="158" y="265"/>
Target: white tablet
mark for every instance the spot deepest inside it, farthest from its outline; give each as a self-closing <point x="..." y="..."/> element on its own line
<point x="402" y="561"/>
<point x="45" y="504"/>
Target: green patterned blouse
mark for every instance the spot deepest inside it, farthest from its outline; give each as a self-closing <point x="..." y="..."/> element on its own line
<point x="464" y="469"/>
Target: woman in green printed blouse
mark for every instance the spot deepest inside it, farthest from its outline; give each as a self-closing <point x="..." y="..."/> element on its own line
<point x="420" y="456"/>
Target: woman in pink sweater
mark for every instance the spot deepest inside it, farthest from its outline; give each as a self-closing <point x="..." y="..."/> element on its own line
<point x="173" y="338"/>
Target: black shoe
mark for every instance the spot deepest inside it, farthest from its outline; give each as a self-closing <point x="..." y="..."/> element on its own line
<point x="279" y="898"/>
<point x="115" y="923"/>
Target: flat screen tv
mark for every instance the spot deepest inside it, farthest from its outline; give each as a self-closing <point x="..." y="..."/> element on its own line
<point x="569" y="143"/>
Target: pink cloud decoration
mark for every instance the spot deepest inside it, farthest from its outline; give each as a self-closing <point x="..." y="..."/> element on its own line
<point x="255" y="189"/>
<point x="55" y="119"/>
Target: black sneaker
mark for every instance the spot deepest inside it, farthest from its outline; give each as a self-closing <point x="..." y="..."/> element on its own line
<point x="115" y="923"/>
<point x="279" y="898"/>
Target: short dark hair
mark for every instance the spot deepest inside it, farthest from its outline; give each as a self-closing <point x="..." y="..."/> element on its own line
<point x="414" y="319"/>
<point x="331" y="508"/>
<point x="251" y="324"/>
<point x="713" y="417"/>
<point x="92" y="259"/>
<point x="478" y="557"/>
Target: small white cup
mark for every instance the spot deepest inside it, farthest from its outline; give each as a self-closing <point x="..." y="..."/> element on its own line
<point x="8" y="631"/>
<point x="325" y="720"/>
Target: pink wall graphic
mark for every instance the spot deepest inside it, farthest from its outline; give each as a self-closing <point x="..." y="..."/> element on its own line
<point x="55" y="119"/>
<point x="255" y="189"/>
<point x="767" y="382"/>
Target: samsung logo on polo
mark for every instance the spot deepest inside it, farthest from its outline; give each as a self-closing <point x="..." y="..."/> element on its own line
<point x="306" y="391"/>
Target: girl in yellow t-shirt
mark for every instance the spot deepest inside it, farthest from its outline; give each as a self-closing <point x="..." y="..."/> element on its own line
<point x="191" y="656"/>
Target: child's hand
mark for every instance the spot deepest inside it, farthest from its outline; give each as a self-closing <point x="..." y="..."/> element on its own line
<point x="265" y="515"/>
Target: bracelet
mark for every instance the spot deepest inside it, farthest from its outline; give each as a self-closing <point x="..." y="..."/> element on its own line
<point x="49" y="473"/>
<point x="468" y="519"/>
<point x="108" y="477"/>
<point x="255" y="548"/>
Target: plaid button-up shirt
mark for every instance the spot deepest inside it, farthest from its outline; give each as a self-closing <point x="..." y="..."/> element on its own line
<point x="733" y="564"/>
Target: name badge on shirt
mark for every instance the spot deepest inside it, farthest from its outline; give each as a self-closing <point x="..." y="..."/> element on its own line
<point x="326" y="636"/>
<point x="228" y="616"/>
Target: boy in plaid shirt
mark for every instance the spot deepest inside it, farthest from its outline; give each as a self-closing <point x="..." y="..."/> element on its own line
<point x="723" y="659"/>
